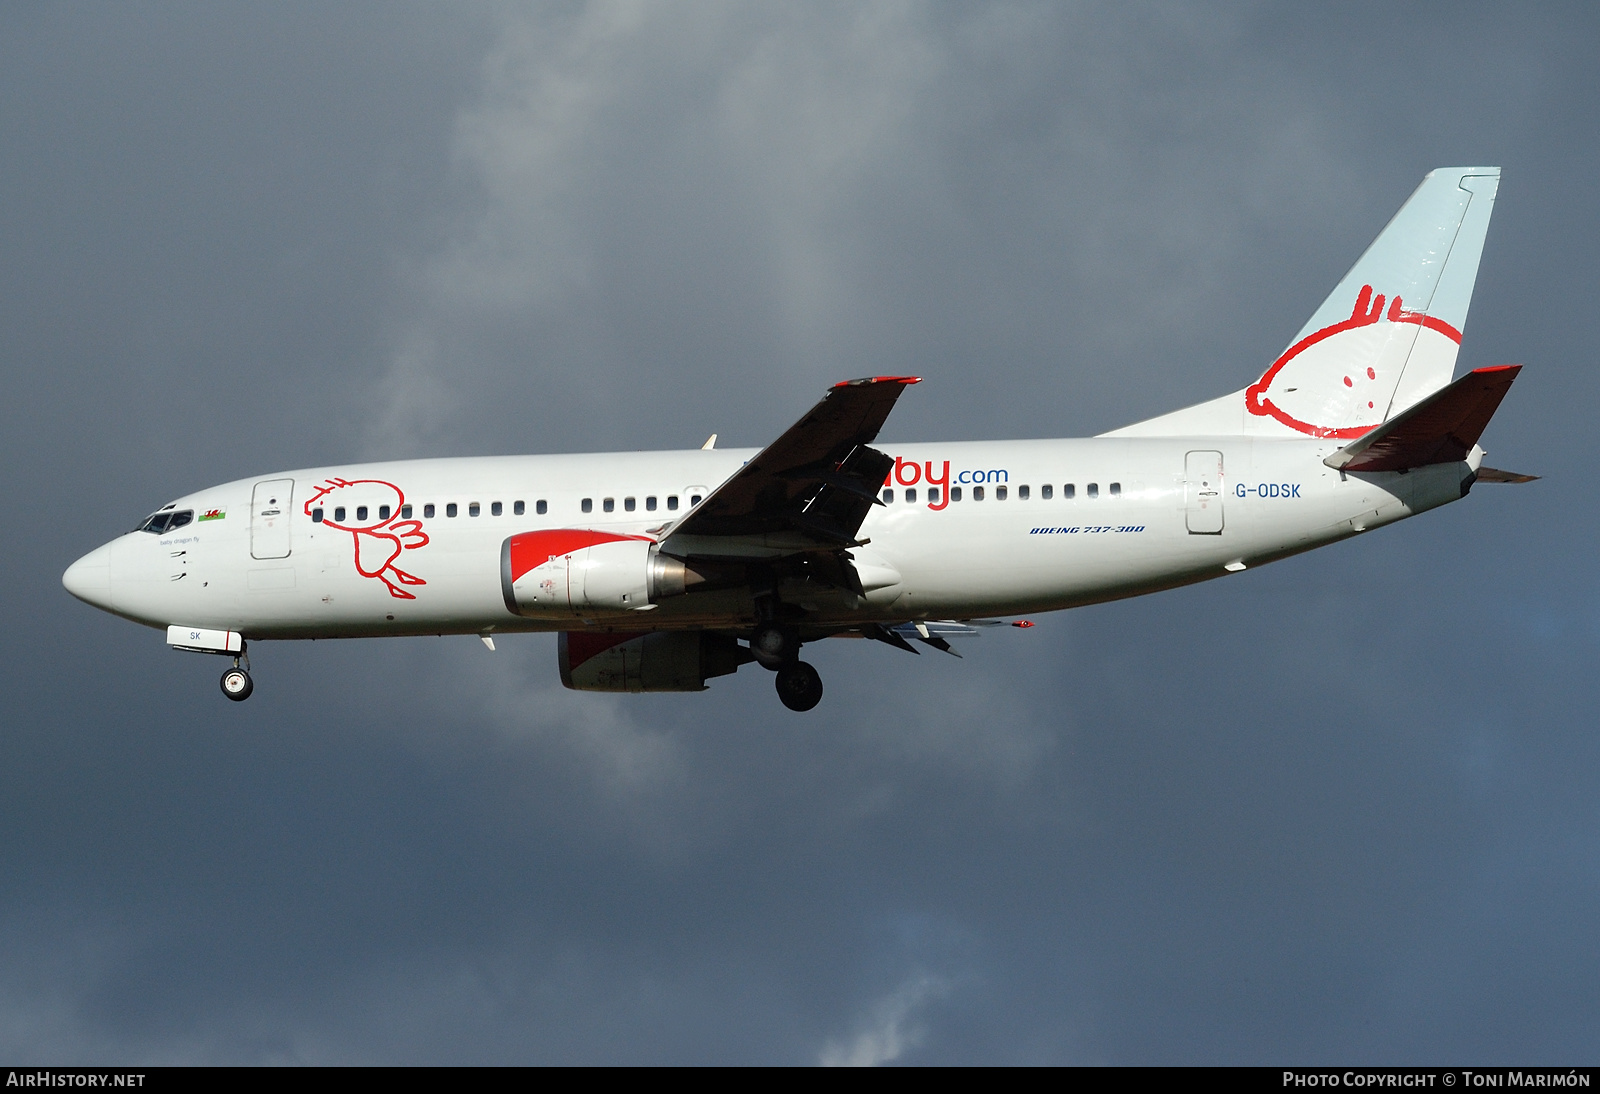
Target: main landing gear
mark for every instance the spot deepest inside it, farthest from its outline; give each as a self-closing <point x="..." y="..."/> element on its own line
<point x="799" y="686"/>
<point x="236" y="683"/>
<point x="778" y="648"/>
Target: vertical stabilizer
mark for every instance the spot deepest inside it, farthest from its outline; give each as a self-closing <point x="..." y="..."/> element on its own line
<point x="1384" y="339"/>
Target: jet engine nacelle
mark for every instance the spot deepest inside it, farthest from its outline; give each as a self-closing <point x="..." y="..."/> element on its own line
<point x="661" y="661"/>
<point x="579" y="571"/>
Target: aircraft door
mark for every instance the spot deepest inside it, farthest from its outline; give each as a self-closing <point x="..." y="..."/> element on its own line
<point x="1202" y="493"/>
<point x="269" y="518"/>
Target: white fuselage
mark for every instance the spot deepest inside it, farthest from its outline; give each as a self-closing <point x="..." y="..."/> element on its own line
<point x="1137" y="518"/>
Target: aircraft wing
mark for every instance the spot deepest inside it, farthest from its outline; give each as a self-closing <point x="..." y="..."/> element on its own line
<point x="809" y="490"/>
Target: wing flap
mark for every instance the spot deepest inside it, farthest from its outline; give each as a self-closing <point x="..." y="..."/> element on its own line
<point x="1442" y="428"/>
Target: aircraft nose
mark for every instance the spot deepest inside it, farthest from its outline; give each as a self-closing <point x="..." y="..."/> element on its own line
<point x="89" y="578"/>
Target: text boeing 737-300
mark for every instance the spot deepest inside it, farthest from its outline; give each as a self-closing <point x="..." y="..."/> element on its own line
<point x="661" y="570"/>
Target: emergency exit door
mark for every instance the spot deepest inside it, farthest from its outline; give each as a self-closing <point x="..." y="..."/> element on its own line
<point x="1202" y="493"/>
<point x="269" y="518"/>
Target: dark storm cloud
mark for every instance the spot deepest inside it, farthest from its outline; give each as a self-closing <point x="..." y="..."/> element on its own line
<point x="1339" y="808"/>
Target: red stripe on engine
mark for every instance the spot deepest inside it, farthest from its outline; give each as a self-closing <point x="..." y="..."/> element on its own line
<point x="582" y="645"/>
<point x="530" y="549"/>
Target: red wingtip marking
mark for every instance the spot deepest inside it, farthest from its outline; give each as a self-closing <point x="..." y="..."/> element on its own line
<point x="879" y="380"/>
<point x="1499" y="368"/>
<point x="1023" y="623"/>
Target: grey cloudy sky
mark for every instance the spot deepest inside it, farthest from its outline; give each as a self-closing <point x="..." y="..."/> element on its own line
<point x="1340" y="809"/>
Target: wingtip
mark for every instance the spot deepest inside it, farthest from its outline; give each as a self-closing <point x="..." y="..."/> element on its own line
<point x="865" y="380"/>
<point x="1494" y="474"/>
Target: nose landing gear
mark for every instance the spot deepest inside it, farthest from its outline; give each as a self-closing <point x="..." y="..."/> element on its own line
<point x="236" y="683"/>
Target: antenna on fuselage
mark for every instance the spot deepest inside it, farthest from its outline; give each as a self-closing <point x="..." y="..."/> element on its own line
<point x="711" y="442"/>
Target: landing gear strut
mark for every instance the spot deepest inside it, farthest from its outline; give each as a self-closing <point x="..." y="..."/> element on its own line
<point x="774" y="645"/>
<point x="236" y="683"/>
<point x="777" y="647"/>
<point x="799" y="686"/>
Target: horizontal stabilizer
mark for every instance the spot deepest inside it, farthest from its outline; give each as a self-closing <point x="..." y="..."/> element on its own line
<point x="1494" y="474"/>
<point x="1440" y="429"/>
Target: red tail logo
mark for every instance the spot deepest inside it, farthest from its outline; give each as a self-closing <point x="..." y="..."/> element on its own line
<point x="1297" y="400"/>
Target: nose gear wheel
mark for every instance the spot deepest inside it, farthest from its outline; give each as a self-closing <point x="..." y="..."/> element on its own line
<point x="237" y="685"/>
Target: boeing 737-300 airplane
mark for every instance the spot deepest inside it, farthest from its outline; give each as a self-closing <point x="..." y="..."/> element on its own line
<point x="661" y="570"/>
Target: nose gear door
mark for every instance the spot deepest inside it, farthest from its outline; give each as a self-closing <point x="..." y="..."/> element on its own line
<point x="269" y="518"/>
<point x="1202" y="493"/>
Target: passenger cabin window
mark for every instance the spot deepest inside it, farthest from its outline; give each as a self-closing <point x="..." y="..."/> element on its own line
<point x="933" y="494"/>
<point x="450" y="510"/>
<point x="1022" y="493"/>
<point x="405" y="511"/>
<point x="630" y="504"/>
<point x="1046" y="491"/>
<point x="316" y="516"/>
<point x="609" y="505"/>
<point x="495" y="509"/>
<point x="672" y="501"/>
<point x="518" y="508"/>
<point x="338" y="514"/>
<point x="911" y="494"/>
<point x="1069" y="491"/>
<point x="588" y="505"/>
<point x="427" y="511"/>
<point x="694" y="499"/>
<point x="473" y="509"/>
<point x="361" y="512"/>
<point x="1000" y="493"/>
<point x="888" y="496"/>
<point x="383" y="512"/>
<point x="977" y="493"/>
<point x="650" y="504"/>
<point x="541" y="507"/>
<point x="1116" y="489"/>
<point x="955" y="493"/>
<point x="1094" y="490"/>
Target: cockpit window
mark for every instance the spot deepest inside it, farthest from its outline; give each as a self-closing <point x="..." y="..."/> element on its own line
<point x="165" y="521"/>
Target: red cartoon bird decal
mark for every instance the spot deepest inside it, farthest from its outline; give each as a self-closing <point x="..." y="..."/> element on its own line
<point x="379" y="535"/>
